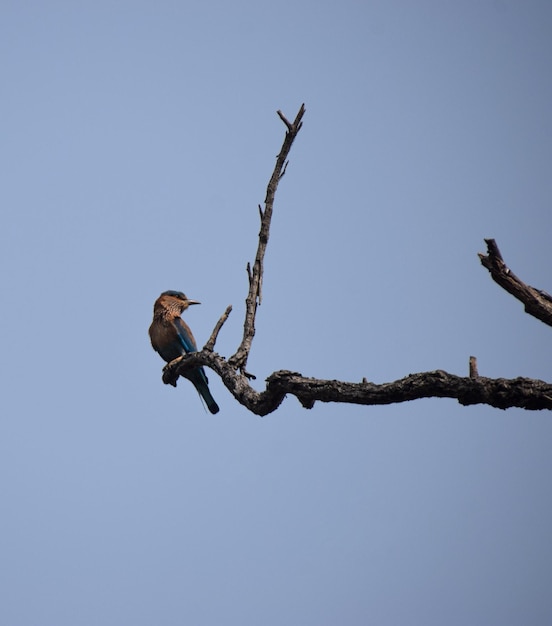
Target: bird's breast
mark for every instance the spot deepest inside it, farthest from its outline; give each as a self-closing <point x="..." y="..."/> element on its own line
<point x="164" y="340"/>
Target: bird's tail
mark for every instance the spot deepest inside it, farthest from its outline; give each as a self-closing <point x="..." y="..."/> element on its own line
<point x="199" y="380"/>
<point x="209" y="400"/>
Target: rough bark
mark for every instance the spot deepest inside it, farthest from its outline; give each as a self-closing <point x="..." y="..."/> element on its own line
<point x="537" y="303"/>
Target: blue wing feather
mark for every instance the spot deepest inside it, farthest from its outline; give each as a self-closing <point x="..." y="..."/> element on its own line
<point x="185" y="335"/>
<point x="196" y="376"/>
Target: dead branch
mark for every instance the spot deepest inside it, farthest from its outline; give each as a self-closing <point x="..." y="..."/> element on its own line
<point x="254" y="297"/>
<point x="501" y="393"/>
<point x="537" y="303"/>
<point x="216" y="330"/>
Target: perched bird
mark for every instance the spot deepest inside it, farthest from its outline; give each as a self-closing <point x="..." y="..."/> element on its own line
<point x="172" y="337"/>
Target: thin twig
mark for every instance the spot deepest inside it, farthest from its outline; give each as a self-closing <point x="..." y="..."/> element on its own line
<point x="213" y="338"/>
<point x="473" y="367"/>
<point x="285" y="120"/>
<point x="239" y="359"/>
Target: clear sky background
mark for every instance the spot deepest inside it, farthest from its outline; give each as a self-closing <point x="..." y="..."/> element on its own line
<point x="137" y="141"/>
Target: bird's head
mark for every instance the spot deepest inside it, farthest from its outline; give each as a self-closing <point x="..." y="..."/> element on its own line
<point x="175" y="300"/>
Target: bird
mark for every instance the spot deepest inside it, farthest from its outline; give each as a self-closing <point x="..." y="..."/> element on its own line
<point x="171" y="337"/>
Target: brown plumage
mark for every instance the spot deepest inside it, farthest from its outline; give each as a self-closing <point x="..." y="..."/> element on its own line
<point x="171" y="337"/>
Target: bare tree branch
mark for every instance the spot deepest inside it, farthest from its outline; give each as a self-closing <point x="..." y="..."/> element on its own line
<point x="475" y="389"/>
<point x="213" y="338"/>
<point x="537" y="303"/>
<point x="254" y="297"/>
<point x="501" y="393"/>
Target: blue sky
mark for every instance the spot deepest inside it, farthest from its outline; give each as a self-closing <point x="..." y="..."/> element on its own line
<point x="137" y="141"/>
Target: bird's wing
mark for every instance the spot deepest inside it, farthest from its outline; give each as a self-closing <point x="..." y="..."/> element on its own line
<point x="185" y="335"/>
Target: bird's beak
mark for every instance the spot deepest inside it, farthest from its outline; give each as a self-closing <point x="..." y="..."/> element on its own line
<point x="192" y="302"/>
